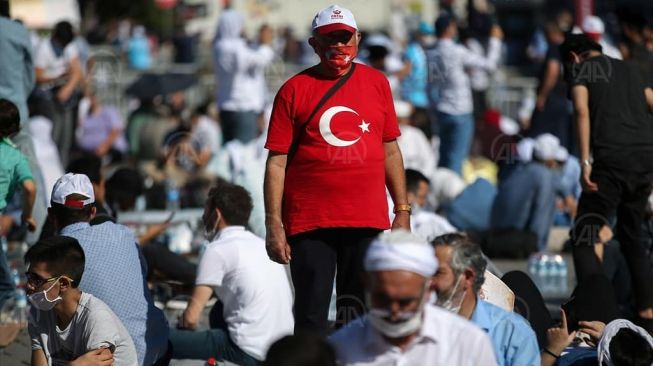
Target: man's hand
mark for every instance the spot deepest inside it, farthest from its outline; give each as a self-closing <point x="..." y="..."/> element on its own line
<point x="540" y="102"/>
<point x="30" y="222"/>
<point x="559" y="338"/>
<point x="277" y="245"/>
<point x="97" y="357"/>
<point x="64" y="94"/>
<point x="496" y="32"/>
<point x="586" y="180"/>
<point x="594" y="329"/>
<point x="401" y="221"/>
<point x="188" y="320"/>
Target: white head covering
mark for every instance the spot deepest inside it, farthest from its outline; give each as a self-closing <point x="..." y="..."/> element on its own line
<point x="546" y="147"/>
<point x="400" y="250"/>
<point x="403" y="109"/>
<point x="610" y="331"/>
<point x="230" y="24"/>
<point x="593" y="25"/>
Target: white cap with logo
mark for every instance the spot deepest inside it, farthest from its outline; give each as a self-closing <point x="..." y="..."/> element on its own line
<point x="334" y="18"/>
<point x="593" y="25"/>
<point x="70" y="184"/>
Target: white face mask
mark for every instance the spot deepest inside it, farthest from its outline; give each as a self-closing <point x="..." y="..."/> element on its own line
<point x="454" y="301"/>
<point x="408" y="323"/>
<point x="40" y="299"/>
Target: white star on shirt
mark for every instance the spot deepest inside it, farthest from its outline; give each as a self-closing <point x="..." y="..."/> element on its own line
<point x="347" y="58"/>
<point x="364" y="126"/>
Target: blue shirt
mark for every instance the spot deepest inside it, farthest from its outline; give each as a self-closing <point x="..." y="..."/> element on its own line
<point x="115" y="273"/>
<point x="413" y="87"/>
<point x="16" y="66"/>
<point x="513" y="339"/>
<point x="526" y="200"/>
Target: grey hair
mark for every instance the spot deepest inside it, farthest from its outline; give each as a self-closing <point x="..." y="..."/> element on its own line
<point x="464" y="254"/>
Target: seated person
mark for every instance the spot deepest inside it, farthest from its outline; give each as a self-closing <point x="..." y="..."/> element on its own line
<point x="401" y="326"/>
<point x="68" y="326"/>
<point x="457" y="283"/>
<point x="526" y="197"/>
<point x="254" y="291"/>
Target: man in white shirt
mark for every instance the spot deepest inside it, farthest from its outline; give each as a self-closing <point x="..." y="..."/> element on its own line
<point x="239" y="75"/>
<point x="401" y="328"/>
<point x="254" y="291"/>
<point x="448" y="62"/>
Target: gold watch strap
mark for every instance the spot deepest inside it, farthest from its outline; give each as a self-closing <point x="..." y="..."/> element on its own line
<point x="402" y="208"/>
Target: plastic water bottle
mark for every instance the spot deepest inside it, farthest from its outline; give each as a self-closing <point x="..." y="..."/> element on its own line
<point x="3" y="243"/>
<point x="533" y="268"/>
<point x="15" y="275"/>
<point x="172" y="195"/>
<point x="560" y="276"/>
<point x="20" y="312"/>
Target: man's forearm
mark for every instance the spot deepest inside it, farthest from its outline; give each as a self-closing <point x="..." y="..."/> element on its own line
<point x="395" y="175"/>
<point x="583" y="127"/>
<point x="29" y="196"/>
<point x="275" y="174"/>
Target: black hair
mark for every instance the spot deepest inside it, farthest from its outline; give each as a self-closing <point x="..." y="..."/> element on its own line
<point x="63" y="32"/>
<point x="62" y="255"/>
<point x="442" y="23"/>
<point x="304" y="350"/>
<point x="578" y="43"/>
<point x="413" y="177"/>
<point x="67" y="216"/>
<point x="627" y="348"/>
<point x="123" y="187"/>
<point x="89" y="165"/>
<point x="233" y="201"/>
<point x="5" y="9"/>
<point x="9" y="118"/>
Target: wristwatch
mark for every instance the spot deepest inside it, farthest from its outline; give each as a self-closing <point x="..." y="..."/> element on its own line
<point x="402" y="208"/>
<point x="587" y="163"/>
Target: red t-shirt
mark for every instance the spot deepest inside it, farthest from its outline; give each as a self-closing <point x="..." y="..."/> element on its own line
<point x="336" y="178"/>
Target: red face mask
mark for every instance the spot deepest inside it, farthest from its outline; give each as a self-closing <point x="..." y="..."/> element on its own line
<point x="337" y="58"/>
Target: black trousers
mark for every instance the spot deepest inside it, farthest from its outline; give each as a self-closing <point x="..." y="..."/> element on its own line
<point x="316" y="258"/>
<point x="622" y="195"/>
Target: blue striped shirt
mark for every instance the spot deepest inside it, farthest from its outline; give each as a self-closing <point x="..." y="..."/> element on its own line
<point x="115" y="273"/>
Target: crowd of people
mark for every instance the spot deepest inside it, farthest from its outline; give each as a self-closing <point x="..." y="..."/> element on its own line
<point x="380" y="173"/>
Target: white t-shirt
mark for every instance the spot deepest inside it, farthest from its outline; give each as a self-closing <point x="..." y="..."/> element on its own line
<point x="254" y="290"/>
<point x="52" y="65"/>
<point x="94" y="325"/>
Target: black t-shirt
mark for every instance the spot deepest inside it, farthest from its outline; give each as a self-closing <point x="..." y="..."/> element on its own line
<point x="621" y="126"/>
<point x="553" y="54"/>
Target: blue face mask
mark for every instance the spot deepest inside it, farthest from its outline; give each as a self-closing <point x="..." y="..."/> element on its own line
<point x="40" y="299"/>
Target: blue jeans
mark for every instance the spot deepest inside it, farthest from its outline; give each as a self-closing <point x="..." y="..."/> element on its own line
<point x="202" y="345"/>
<point x="242" y="126"/>
<point x="7" y="288"/>
<point x="456" y="133"/>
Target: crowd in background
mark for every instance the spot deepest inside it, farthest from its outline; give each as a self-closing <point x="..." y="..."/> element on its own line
<point x="505" y="181"/>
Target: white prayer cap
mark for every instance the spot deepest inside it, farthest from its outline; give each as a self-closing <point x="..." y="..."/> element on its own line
<point x="400" y="250"/>
<point x="546" y="147"/>
<point x="403" y="109"/>
<point x="611" y="329"/>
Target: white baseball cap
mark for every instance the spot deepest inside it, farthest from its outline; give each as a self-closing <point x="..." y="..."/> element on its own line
<point x="69" y="184"/>
<point x="334" y="18"/>
<point x="593" y="25"/>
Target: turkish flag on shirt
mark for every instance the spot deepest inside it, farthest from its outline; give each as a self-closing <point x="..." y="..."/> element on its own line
<point x="337" y="176"/>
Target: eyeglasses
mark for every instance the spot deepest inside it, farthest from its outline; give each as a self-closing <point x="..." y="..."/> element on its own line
<point x="36" y="281"/>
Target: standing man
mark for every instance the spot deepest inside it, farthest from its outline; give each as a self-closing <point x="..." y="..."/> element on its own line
<point x="326" y="176"/>
<point x="17" y="79"/>
<point x="448" y="63"/>
<point x="612" y="106"/>
<point x="239" y="70"/>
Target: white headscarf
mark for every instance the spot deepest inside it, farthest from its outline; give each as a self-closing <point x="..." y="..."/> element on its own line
<point x="610" y="331"/>
<point x="400" y="250"/>
<point x="230" y="25"/>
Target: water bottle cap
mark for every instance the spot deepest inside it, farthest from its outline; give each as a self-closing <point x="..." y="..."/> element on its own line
<point x="212" y="361"/>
